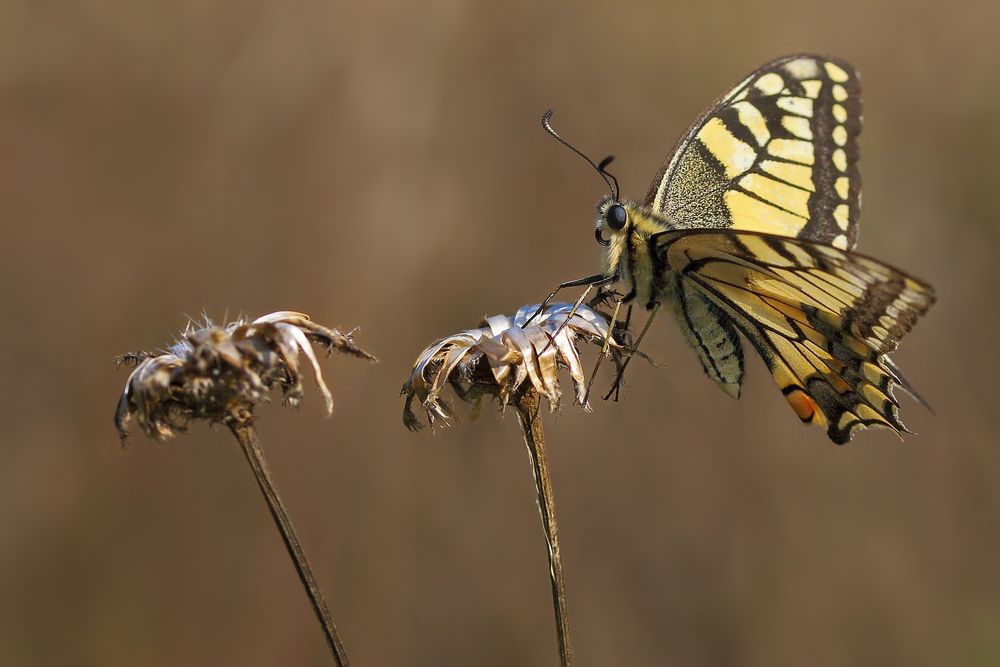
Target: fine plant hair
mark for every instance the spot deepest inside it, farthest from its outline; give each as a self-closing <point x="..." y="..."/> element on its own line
<point x="220" y="374"/>
<point x="516" y="360"/>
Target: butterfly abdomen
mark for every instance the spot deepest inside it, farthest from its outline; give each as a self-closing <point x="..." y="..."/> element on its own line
<point x="708" y="330"/>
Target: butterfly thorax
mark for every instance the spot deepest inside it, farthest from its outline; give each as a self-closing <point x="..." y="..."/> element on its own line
<point x="628" y="254"/>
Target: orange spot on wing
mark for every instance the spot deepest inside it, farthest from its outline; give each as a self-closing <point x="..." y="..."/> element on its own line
<point x="804" y="406"/>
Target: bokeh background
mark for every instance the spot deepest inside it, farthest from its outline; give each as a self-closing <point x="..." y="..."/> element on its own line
<point x="381" y="165"/>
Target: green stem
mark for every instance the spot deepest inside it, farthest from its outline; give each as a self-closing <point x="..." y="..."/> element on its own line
<point x="527" y="404"/>
<point x="247" y="436"/>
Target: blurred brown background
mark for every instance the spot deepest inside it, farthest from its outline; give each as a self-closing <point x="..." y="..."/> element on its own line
<point x="382" y="166"/>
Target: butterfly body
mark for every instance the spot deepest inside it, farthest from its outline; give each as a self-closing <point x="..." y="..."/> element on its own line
<point x="749" y="228"/>
<point x="633" y="258"/>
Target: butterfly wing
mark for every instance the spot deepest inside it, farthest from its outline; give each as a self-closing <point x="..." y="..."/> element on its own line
<point x="776" y="154"/>
<point x="822" y="319"/>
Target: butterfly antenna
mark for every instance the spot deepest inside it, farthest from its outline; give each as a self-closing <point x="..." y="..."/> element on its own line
<point x="599" y="168"/>
<point x="603" y="168"/>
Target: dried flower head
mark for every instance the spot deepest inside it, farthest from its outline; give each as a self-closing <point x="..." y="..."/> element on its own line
<point x="504" y="355"/>
<point x="220" y="373"/>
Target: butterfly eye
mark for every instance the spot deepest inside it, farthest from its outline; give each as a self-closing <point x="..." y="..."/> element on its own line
<point x="616" y="217"/>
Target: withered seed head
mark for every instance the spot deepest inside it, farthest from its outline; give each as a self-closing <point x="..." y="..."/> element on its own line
<point x="503" y="356"/>
<point x="220" y="373"/>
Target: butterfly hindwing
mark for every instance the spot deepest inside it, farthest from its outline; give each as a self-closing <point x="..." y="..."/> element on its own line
<point x="777" y="154"/>
<point x="822" y="319"/>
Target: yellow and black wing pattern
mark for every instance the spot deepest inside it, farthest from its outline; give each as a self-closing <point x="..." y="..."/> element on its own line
<point x="822" y="318"/>
<point x="777" y="154"/>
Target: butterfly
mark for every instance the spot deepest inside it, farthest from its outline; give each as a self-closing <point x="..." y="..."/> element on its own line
<point x="749" y="228"/>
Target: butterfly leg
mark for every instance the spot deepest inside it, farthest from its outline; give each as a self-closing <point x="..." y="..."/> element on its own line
<point x="616" y="387"/>
<point x="591" y="281"/>
<point x="604" y="348"/>
<point x="572" y="312"/>
<point x="625" y="331"/>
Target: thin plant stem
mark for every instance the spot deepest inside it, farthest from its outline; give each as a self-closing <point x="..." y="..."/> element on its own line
<point x="247" y="436"/>
<point x="527" y="405"/>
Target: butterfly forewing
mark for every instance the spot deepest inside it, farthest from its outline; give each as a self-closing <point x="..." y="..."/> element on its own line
<point x="776" y="154"/>
<point x="822" y="319"/>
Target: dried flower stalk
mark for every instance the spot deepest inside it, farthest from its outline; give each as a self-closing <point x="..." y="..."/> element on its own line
<point x="220" y="374"/>
<point x="516" y="360"/>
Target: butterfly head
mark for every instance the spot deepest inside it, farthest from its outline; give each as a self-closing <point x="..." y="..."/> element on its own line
<point x="612" y="221"/>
